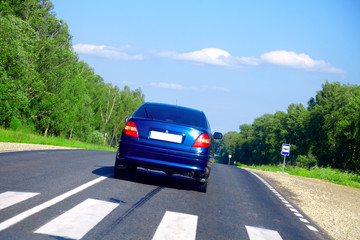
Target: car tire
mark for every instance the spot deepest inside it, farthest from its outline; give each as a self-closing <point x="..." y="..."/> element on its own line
<point x="202" y="187"/>
<point x="131" y="168"/>
<point x="119" y="173"/>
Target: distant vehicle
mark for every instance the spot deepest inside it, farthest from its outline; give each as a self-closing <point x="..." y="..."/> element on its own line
<point x="172" y="139"/>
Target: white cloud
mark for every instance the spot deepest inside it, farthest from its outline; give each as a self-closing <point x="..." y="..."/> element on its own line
<point x="117" y="53"/>
<point x="193" y="88"/>
<point x="167" y="85"/>
<point x="300" y="61"/>
<point x="213" y="56"/>
<point x="210" y="88"/>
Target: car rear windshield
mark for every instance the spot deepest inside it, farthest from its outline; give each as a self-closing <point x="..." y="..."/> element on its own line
<point x="179" y="115"/>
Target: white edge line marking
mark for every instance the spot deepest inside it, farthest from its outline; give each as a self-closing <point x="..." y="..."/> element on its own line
<point x="10" y="198"/>
<point x="312" y="228"/>
<point x="304" y="220"/>
<point x="293" y="210"/>
<point x="287" y="204"/>
<point x="256" y="233"/>
<point x="176" y="226"/>
<point x="79" y="220"/>
<point x="8" y="223"/>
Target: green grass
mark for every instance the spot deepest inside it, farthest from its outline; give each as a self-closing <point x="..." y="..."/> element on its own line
<point x="24" y="136"/>
<point x="328" y="174"/>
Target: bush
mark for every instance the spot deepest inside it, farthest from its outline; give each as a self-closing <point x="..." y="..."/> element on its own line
<point x="307" y="162"/>
<point x="15" y="124"/>
<point x="97" y="138"/>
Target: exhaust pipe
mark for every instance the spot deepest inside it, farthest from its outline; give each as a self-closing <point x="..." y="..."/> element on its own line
<point x="202" y="180"/>
<point x="203" y="176"/>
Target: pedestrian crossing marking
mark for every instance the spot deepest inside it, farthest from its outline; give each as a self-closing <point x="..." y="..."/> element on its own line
<point x="20" y="217"/>
<point x="176" y="226"/>
<point x="10" y="198"/>
<point x="76" y="222"/>
<point x="256" y="233"/>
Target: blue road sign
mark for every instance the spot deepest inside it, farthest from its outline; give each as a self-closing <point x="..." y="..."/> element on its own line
<point x="285" y="149"/>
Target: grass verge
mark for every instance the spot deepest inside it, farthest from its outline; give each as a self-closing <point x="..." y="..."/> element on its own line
<point x="328" y="174"/>
<point x="8" y="135"/>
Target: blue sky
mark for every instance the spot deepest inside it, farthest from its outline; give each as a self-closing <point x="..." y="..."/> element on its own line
<point x="235" y="60"/>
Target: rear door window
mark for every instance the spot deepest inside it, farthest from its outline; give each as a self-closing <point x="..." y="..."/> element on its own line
<point x="179" y="115"/>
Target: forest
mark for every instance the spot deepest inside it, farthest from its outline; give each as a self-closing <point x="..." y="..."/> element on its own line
<point x="325" y="133"/>
<point x="45" y="88"/>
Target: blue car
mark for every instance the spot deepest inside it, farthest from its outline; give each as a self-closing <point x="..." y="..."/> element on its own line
<point x="172" y="139"/>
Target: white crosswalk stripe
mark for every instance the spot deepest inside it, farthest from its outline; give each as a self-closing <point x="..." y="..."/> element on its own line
<point x="256" y="233"/>
<point x="176" y="226"/>
<point x="20" y="217"/>
<point x="76" y="222"/>
<point x="10" y="198"/>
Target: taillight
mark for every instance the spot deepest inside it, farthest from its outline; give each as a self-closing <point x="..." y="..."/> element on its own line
<point x="131" y="129"/>
<point x="203" y="141"/>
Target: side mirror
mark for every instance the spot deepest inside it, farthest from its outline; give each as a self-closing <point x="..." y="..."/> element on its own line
<point x="218" y="135"/>
<point x="126" y="120"/>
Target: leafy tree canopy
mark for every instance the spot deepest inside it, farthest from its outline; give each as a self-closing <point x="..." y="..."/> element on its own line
<point x="44" y="86"/>
<point x="326" y="133"/>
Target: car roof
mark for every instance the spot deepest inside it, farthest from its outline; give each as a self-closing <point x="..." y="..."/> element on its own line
<point x="188" y="116"/>
<point x="171" y="105"/>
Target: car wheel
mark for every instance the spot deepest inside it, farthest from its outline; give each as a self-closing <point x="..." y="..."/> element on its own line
<point x="132" y="168"/>
<point x="202" y="186"/>
<point x="120" y="169"/>
<point x="119" y="173"/>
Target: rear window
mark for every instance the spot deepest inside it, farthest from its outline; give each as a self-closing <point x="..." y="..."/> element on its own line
<point x="174" y="114"/>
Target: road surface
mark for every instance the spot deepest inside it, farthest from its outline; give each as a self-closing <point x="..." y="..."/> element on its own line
<point x="72" y="194"/>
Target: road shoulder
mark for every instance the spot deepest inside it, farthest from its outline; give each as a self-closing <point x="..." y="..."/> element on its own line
<point x="11" y="147"/>
<point x="333" y="207"/>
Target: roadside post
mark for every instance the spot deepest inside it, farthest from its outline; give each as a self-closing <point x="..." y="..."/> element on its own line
<point x="285" y="151"/>
<point x="229" y="159"/>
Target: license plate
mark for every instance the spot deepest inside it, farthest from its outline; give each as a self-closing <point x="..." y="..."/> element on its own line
<point x="169" y="137"/>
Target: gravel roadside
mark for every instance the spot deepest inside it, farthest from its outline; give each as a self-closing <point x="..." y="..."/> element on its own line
<point x="333" y="207"/>
<point x="10" y="147"/>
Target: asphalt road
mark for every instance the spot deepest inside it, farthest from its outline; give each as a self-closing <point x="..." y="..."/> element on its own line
<point x="71" y="194"/>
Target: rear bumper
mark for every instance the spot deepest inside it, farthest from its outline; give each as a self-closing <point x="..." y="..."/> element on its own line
<point x="150" y="157"/>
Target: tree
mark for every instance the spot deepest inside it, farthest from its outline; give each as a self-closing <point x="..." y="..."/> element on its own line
<point x="43" y="83"/>
<point x="335" y="116"/>
<point x="17" y="68"/>
<point x="327" y="132"/>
